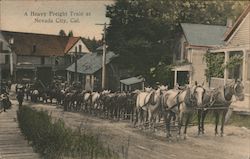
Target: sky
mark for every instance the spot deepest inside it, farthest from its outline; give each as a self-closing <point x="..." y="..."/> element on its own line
<point x="50" y="16"/>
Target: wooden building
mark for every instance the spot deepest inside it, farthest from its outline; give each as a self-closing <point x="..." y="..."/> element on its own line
<point x="131" y="84"/>
<point x="6" y="59"/>
<point x="237" y="42"/>
<point x="89" y="71"/>
<point x="192" y="45"/>
<point x="43" y="56"/>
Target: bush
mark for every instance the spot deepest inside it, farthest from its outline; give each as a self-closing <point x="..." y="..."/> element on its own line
<point x="54" y="141"/>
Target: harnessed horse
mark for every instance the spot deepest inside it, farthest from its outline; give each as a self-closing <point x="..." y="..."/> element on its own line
<point x="180" y="103"/>
<point x="219" y="101"/>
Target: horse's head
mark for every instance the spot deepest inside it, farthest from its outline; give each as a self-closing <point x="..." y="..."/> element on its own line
<point x="238" y="90"/>
<point x="198" y="94"/>
<point x="163" y="88"/>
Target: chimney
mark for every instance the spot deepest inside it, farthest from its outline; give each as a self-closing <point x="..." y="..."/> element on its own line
<point x="229" y="23"/>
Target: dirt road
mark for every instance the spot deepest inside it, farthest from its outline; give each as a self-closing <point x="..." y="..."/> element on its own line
<point x="133" y="143"/>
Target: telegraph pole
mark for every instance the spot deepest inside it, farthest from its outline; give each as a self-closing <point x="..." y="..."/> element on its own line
<point x="75" y="79"/>
<point x="104" y="56"/>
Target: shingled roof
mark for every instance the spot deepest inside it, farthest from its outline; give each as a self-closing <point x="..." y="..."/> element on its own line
<point x="40" y="44"/>
<point x="90" y="63"/>
<point x="203" y="35"/>
<point x="71" y="43"/>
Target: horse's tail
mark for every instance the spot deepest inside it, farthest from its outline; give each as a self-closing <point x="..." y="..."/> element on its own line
<point x="151" y="99"/>
<point x="228" y="114"/>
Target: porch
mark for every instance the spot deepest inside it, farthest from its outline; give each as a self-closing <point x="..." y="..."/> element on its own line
<point x="241" y="71"/>
<point x="182" y="74"/>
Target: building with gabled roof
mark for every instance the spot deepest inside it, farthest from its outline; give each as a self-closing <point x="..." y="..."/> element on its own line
<point x="89" y="70"/>
<point x="39" y="54"/>
<point x="236" y="43"/>
<point x="193" y="44"/>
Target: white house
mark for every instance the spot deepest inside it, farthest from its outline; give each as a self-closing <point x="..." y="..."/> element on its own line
<point x="42" y="55"/>
<point x="237" y="41"/>
<point x="193" y="44"/>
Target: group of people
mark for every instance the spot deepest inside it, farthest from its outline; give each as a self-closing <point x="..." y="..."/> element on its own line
<point x="5" y="102"/>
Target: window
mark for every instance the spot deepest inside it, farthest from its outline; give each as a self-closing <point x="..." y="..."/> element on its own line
<point x="42" y="60"/>
<point x="248" y="67"/>
<point x="1" y="46"/>
<point x="56" y="62"/>
<point x="7" y="59"/>
<point x="80" y="48"/>
<point x="236" y="71"/>
<point x="34" y="48"/>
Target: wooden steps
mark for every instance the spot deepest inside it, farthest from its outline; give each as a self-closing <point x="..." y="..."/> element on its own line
<point x="12" y="143"/>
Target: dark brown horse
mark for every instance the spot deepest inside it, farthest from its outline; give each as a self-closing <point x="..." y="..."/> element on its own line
<point x="219" y="101"/>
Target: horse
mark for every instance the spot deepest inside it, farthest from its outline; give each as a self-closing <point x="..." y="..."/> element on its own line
<point x="142" y="99"/>
<point x="153" y="107"/>
<point x="34" y="95"/>
<point x="95" y="104"/>
<point x="60" y="95"/>
<point x="131" y="103"/>
<point x="220" y="100"/>
<point x="179" y="103"/>
<point x="86" y="100"/>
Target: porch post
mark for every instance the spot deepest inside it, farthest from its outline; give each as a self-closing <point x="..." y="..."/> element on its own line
<point x="68" y="76"/>
<point x="11" y="64"/>
<point x="244" y="67"/>
<point x="92" y="82"/>
<point x="190" y="77"/>
<point x="143" y="85"/>
<point x="175" y="77"/>
<point x="129" y="88"/>
<point x="121" y="87"/>
<point x="226" y="70"/>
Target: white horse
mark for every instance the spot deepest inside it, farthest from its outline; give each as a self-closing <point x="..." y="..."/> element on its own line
<point x="142" y="100"/>
<point x="153" y="106"/>
<point x="181" y="102"/>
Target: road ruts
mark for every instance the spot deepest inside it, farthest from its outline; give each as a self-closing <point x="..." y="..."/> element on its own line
<point x="12" y="142"/>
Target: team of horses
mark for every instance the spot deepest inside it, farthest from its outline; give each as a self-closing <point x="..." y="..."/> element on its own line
<point x="147" y="107"/>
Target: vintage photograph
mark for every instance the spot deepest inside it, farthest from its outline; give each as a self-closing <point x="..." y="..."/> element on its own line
<point x="124" y="79"/>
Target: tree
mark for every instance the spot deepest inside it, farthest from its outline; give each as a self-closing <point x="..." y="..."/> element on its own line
<point x="143" y="32"/>
<point x="92" y="44"/>
<point x="70" y="34"/>
<point x="62" y="32"/>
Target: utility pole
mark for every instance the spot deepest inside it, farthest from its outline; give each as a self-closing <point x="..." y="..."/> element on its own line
<point x="75" y="79"/>
<point x="104" y="56"/>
